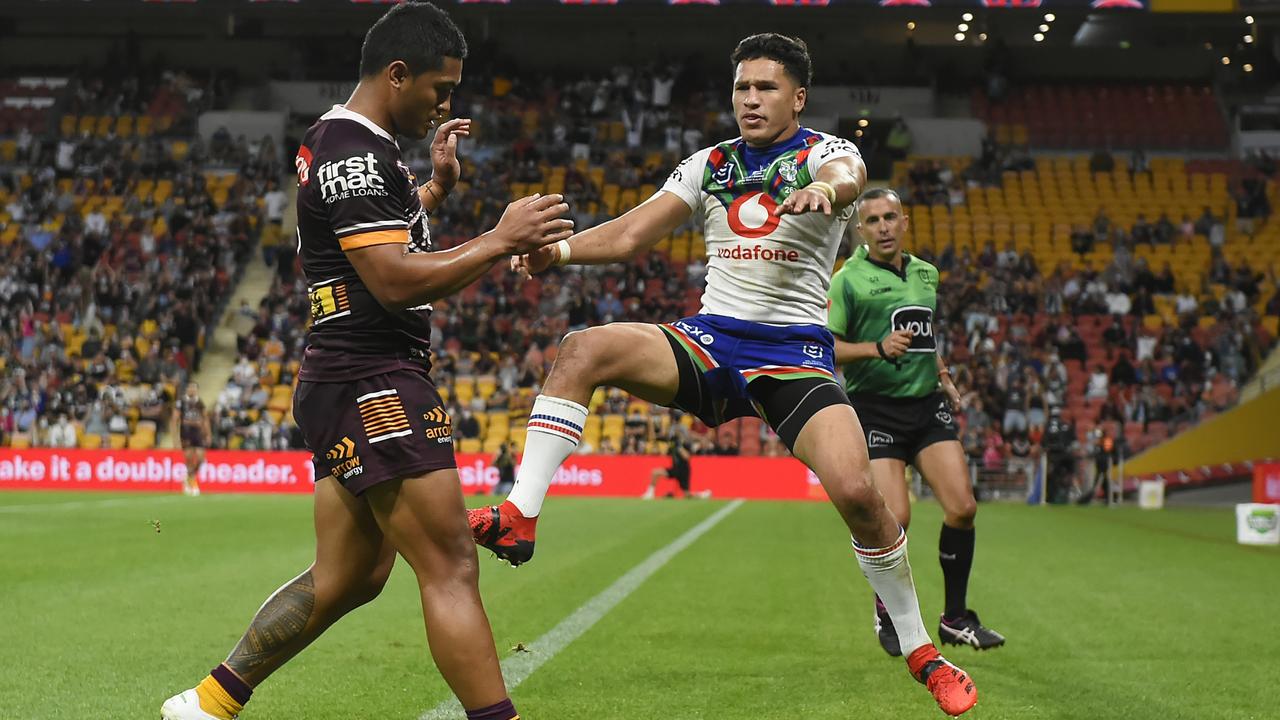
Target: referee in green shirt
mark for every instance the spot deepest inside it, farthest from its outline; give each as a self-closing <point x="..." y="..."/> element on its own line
<point x="883" y="313"/>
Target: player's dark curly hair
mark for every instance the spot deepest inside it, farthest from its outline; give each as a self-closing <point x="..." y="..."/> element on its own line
<point x="419" y="34"/>
<point x="791" y="52"/>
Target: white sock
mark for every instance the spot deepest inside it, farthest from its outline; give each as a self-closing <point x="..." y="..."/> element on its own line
<point x="889" y="573"/>
<point x="555" y="429"/>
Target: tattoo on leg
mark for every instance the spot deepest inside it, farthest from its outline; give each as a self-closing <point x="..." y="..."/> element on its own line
<point x="280" y="620"/>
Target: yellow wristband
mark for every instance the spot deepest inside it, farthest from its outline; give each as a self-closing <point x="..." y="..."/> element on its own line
<point x="824" y="188"/>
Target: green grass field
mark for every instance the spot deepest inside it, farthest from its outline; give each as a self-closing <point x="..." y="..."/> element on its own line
<point x="1109" y="614"/>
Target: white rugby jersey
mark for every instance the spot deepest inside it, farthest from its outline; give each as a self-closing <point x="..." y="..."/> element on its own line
<point x="763" y="268"/>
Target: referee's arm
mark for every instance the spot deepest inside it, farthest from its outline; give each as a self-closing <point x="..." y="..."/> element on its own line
<point x="893" y="346"/>
<point x="948" y="384"/>
<point x="840" y="321"/>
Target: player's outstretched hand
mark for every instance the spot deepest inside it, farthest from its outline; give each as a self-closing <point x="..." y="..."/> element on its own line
<point x="526" y="266"/>
<point x="444" y="152"/>
<point x="802" y="201"/>
<point x="896" y="343"/>
<point x="533" y="222"/>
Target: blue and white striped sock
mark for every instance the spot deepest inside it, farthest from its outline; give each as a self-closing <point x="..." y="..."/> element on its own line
<point x="555" y="429"/>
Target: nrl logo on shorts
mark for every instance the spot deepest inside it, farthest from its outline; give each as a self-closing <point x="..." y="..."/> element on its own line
<point x="944" y="417"/>
<point x="879" y="439"/>
<point x="813" y="351"/>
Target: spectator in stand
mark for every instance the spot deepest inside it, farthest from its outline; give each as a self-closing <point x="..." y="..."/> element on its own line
<point x="1102" y="161"/>
<point x="1164" y="230"/>
<point x="1123" y="374"/>
<point x="467" y="426"/>
<point x="1204" y="224"/>
<point x="1142" y="232"/>
<point x="1015" y="408"/>
<point x="1098" y="384"/>
<point x="1081" y="240"/>
<point x="1185" y="303"/>
<point x="899" y="140"/>
<point x="62" y="434"/>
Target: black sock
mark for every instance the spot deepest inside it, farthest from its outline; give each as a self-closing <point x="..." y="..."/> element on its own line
<point x="955" y="554"/>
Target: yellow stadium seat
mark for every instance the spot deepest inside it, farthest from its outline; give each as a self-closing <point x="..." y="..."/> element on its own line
<point x="279" y="404"/>
<point x="139" y="441"/>
<point x="90" y="442"/>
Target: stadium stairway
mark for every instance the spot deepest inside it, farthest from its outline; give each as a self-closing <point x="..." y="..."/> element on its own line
<point x="221" y="352"/>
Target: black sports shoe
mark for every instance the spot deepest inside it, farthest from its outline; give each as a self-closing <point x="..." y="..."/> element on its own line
<point x="885" y="631"/>
<point x="967" y="630"/>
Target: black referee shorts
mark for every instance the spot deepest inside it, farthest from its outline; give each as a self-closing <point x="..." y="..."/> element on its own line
<point x="901" y="427"/>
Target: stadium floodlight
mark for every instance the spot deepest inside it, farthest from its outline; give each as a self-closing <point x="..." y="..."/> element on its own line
<point x="967" y="17"/>
<point x="1248" y="67"/>
<point x="1044" y="28"/>
<point x="959" y="37"/>
<point x="1248" y="39"/>
<point x="1039" y="37"/>
<point x="982" y="37"/>
<point x="864" y="122"/>
<point x="1050" y="17"/>
<point x="911" y="26"/>
<point x="962" y="27"/>
<point x="1226" y="60"/>
<point x="1248" y="19"/>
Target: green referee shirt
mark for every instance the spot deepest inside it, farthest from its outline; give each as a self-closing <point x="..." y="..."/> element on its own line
<point x="868" y="299"/>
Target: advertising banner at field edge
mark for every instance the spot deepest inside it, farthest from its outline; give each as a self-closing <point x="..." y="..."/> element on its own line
<point x="1266" y="483"/>
<point x="292" y="472"/>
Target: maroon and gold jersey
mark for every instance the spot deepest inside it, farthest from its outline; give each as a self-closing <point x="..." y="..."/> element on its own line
<point x="191" y="413"/>
<point x="354" y="192"/>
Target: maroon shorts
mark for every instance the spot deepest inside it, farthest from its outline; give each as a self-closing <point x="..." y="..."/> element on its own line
<point x="375" y="429"/>
<point x="193" y="438"/>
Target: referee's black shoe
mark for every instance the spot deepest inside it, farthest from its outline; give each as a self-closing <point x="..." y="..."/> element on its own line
<point x="885" y="631"/>
<point x="967" y="630"/>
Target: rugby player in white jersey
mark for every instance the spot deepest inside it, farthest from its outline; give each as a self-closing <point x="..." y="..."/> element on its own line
<point x="775" y="203"/>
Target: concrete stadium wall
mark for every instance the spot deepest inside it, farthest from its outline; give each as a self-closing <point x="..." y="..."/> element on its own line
<point x="1250" y="431"/>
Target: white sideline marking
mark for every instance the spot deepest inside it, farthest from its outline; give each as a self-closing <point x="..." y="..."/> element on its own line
<point x="77" y="504"/>
<point x="517" y="668"/>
